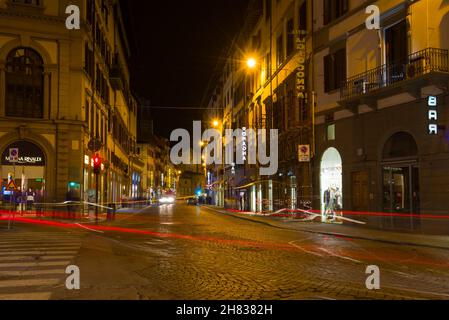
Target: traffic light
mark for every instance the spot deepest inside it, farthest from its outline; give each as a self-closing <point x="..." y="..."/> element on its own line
<point x="97" y="164"/>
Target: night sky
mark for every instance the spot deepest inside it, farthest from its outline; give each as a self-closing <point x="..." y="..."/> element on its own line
<point x="175" y="46"/>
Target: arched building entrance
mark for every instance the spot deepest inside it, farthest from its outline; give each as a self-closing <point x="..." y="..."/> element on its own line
<point x="400" y="177"/>
<point x="331" y="185"/>
<point x="28" y="169"/>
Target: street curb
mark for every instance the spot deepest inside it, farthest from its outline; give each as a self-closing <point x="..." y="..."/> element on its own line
<point x="335" y="234"/>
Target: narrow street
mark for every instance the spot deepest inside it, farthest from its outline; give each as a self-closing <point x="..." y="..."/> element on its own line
<point x="190" y="252"/>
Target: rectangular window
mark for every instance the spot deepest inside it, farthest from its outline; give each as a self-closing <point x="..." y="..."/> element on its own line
<point x="280" y="50"/>
<point x="291" y="106"/>
<point x="330" y="132"/>
<point x="268" y="65"/>
<point x="267" y="10"/>
<point x="30" y="2"/>
<point x="90" y="11"/>
<point x="89" y="61"/>
<point x="87" y="110"/>
<point x="290" y="37"/>
<point x="304" y="110"/>
<point x="396" y="43"/>
<point x="97" y="125"/>
<point x="334" y="9"/>
<point x="303" y="16"/>
<point x="92" y="120"/>
<point x="334" y="70"/>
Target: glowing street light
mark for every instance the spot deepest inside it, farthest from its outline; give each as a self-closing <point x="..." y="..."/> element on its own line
<point x="251" y="63"/>
<point x="215" y="123"/>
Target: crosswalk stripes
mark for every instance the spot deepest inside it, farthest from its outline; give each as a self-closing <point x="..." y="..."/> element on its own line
<point x="32" y="264"/>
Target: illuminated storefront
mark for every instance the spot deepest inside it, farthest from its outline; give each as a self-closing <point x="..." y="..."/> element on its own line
<point x="331" y="182"/>
<point x="29" y="171"/>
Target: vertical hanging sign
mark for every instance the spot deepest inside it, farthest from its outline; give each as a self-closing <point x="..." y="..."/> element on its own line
<point x="432" y="104"/>
<point x="301" y="71"/>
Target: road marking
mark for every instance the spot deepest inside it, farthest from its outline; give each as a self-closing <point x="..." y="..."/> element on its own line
<point x="28" y="283"/>
<point x="34" y="264"/>
<point x="292" y="243"/>
<point x="339" y="256"/>
<point x="26" y="296"/>
<point x="84" y="227"/>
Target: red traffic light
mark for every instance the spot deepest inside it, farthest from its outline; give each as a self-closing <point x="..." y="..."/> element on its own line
<point x="97" y="164"/>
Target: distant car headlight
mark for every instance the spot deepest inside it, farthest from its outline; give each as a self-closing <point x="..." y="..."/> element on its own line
<point x="167" y="200"/>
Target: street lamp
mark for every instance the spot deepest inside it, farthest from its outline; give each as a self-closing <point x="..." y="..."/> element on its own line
<point x="215" y="123"/>
<point x="251" y="63"/>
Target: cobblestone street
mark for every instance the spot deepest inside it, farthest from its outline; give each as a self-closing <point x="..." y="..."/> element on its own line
<point x="188" y="252"/>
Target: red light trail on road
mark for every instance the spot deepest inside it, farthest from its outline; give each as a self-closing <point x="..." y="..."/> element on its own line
<point x="314" y="248"/>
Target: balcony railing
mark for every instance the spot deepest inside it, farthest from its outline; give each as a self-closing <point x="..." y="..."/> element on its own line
<point x="417" y="64"/>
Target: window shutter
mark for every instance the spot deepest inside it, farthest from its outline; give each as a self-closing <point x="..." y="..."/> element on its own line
<point x="345" y="6"/>
<point x="327" y="11"/>
<point x="340" y="67"/>
<point x="327" y="73"/>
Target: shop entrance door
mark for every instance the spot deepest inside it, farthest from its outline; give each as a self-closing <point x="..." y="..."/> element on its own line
<point x="401" y="196"/>
<point x="360" y="191"/>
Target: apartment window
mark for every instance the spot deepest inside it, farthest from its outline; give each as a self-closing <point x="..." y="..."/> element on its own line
<point x="24" y="84"/>
<point x="90" y="11"/>
<point x="279" y="114"/>
<point x="89" y="63"/>
<point x="280" y="50"/>
<point x="97" y="125"/>
<point x="268" y="65"/>
<point x="290" y="37"/>
<point x="92" y="120"/>
<point x="396" y="43"/>
<point x="304" y="110"/>
<point x="330" y="134"/>
<point x="86" y="114"/>
<point x="267" y="10"/>
<point x="30" y="2"/>
<point x="333" y="9"/>
<point x="303" y="16"/>
<point x="291" y="105"/>
<point x="334" y="70"/>
<point x="256" y="40"/>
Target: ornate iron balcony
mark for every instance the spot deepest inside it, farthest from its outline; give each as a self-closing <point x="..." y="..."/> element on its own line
<point x="417" y="64"/>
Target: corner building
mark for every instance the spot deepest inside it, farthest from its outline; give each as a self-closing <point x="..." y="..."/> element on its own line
<point x="60" y="89"/>
<point x="381" y="114"/>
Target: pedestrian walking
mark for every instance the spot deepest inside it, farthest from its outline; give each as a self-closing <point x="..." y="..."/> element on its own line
<point x="30" y="198"/>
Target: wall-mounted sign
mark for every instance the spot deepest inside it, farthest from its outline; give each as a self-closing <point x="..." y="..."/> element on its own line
<point x="432" y="103"/>
<point x="14" y="155"/>
<point x="244" y="144"/>
<point x="30" y="154"/>
<point x="301" y="72"/>
<point x="304" y="153"/>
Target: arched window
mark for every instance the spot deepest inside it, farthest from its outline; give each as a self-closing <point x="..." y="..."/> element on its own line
<point x="400" y="145"/>
<point x="24" y="84"/>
